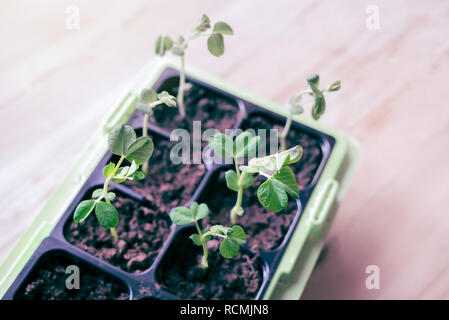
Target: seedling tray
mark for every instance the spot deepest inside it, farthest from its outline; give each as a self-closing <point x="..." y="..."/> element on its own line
<point x="284" y="267"/>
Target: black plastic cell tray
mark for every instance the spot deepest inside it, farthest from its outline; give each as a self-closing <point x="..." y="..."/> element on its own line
<point x="143" y="285"/>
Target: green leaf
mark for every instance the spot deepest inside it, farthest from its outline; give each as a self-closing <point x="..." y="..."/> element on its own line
<point x="222" y="145"/>
<point x="110" y="196"/>
<point x="196" y="239"/>
<point x="182" y="216"/>
<point x="219" y="230"/>
<point x="215" y="44"/>
<point x="319" y="105"/>
<point x="83" y="209"/>
<point x="120" y="138"/>
<point x="202" y="211"/>
<point x="233" y="238"/>
<point x="232" y="182"/>
<point x="238" y="234"/>
<point x="121" y="175"/>
<point x="108" y="170"/>
<point x="122" y="172"/>
<point x="140" y="150"/>
<point x="229" y="248"/>
<point x="148" y="96"/>
<point x="287" y="177"/>
<point x="248" y="169"/>
<point x="167" y="99"/>
<point x="335" y="86"/>
<point x="163" y="44"/>
<point x="106" y="214"/>
<point x="248" y="181"/>
<point x="246" y="144"/>
<point x="222" y="28"/>
<point x="272" y="195"/>
<point x="313" y="80"/>
<point x="288" y="157"/>
<point x="132" y="168"/>
<point x="136" y="176"/>
<point x="204" y="24"/>
<point x="97" y="193"/>
<point x="265" y="164"/>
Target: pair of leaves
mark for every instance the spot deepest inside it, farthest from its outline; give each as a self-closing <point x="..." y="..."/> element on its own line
<point x="163" y="44"/>
<point x="105" y="212"/>
<point x="233" y="238"/>
<point x="122" y="141"/>
<point x="215" y="41"/>
<point x="245" y="145"/>
<point x="281" y="182"/>
<point x="183" y="215"/>
<point x="149" y="99"/>
<point x="319" y="105"/>
<point x="123" y="173"/>
<point x="98" y="193"/>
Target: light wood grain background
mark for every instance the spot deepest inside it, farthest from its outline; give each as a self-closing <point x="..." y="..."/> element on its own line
<point x="56" y="84"/>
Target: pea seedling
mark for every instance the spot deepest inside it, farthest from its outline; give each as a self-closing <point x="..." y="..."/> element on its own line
<point x="149" y="100"/>
<point x="122" y="141"/>
<point x="296" y="104"/>
<point x="233" y="237"/>
<point x="281" y="181"/>
<point x="215" y="44"/>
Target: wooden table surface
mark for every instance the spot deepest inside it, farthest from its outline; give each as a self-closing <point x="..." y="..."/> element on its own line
<point x="57" y="83"/>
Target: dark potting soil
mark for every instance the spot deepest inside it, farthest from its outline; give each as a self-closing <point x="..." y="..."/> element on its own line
<point x="213" y="109"/>
<point x="225" y="279"/>
<point x="306" y="168"/>
<point x="47" y="282"/>
<point x="168" y="185"/>
<point x="142" y="231"/>
<point x="265" y="229"/>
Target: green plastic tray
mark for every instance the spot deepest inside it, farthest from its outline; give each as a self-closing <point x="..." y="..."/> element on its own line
<point x="307" y="240"/>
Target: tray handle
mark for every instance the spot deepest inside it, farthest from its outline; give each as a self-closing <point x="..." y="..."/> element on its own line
<point x="320" y="209"/>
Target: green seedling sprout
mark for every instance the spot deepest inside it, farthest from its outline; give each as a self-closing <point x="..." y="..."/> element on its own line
<point x="122" y="141"/>
<point x="215" y="44"/>
<point x="150" y="99"/>
<point x="232" y="238"/>
<point x="296" y="104"/>
<point x="281" y="181"/>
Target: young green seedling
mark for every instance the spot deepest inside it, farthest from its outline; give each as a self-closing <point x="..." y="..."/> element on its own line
<point x="281" y="181"/>
<point x="296" y="104"/>
<point x="122" y="141"/>
<point x="232" y="237"/>
<point x="149" y="100"/>
<point x="215" y="44"/>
